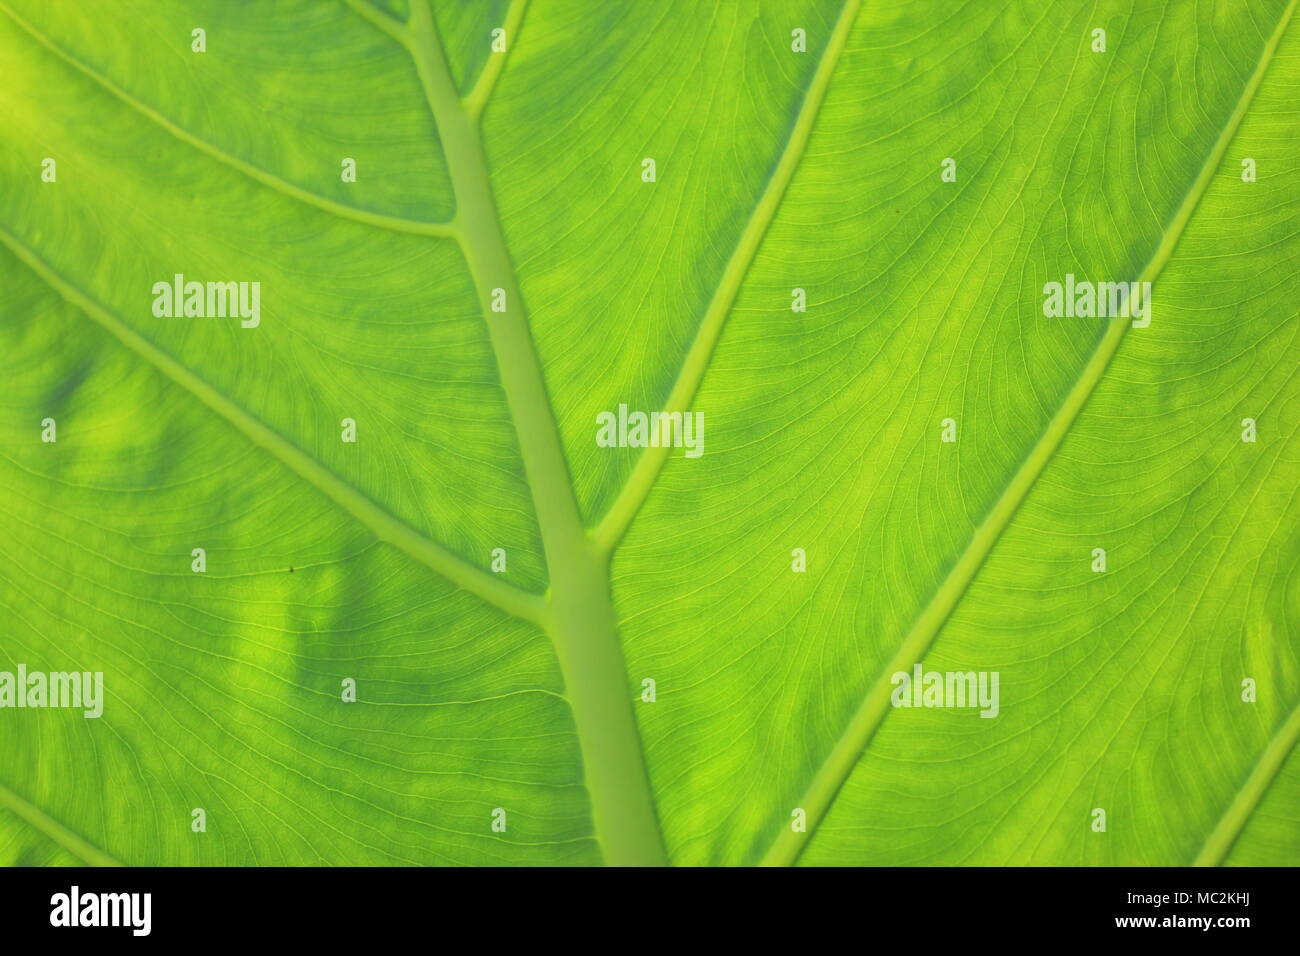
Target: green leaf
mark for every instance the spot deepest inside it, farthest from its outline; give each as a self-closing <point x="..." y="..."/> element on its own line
<point x="487" y="695"/>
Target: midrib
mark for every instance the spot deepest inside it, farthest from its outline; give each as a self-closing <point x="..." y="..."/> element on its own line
<point x="830" y="776"/>
<point x="578" y="612"/>
<point x="580" y="617"/>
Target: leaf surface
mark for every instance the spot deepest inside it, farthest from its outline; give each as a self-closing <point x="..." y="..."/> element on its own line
<point x="521" y="690"/>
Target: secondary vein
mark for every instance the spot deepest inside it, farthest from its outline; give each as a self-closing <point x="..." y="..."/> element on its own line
<point x="1252" y="791"/>
<point x="381" y="19"/>
<point x="646" y="470"/>
<point x="478" y="97"/>
<point x="78" y="846"/>
<point x="384" y="525"/>
<point x="840" y="762"/>
<point x="343" y="210"/>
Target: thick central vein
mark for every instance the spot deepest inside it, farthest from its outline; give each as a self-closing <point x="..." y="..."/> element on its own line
<point x="580" y="617"/>
<point x="492" y="269"/>
<point x="842" y="758"/>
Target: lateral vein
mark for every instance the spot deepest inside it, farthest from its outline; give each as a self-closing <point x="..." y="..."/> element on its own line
<point x="381" y="20"/>
<point x="384" y="525"/>
<point x="38" y="819"/>
<point x="479" y="95"/>
<point x="839" y="763"/>
<point x="1252" y="791"/>
<point x="380" y="220"/>
<point x="645" y="472"/>
<point x="582" y="623"/>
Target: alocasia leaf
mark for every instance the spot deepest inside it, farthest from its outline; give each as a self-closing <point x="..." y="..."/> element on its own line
<point x="824" y="229"/>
